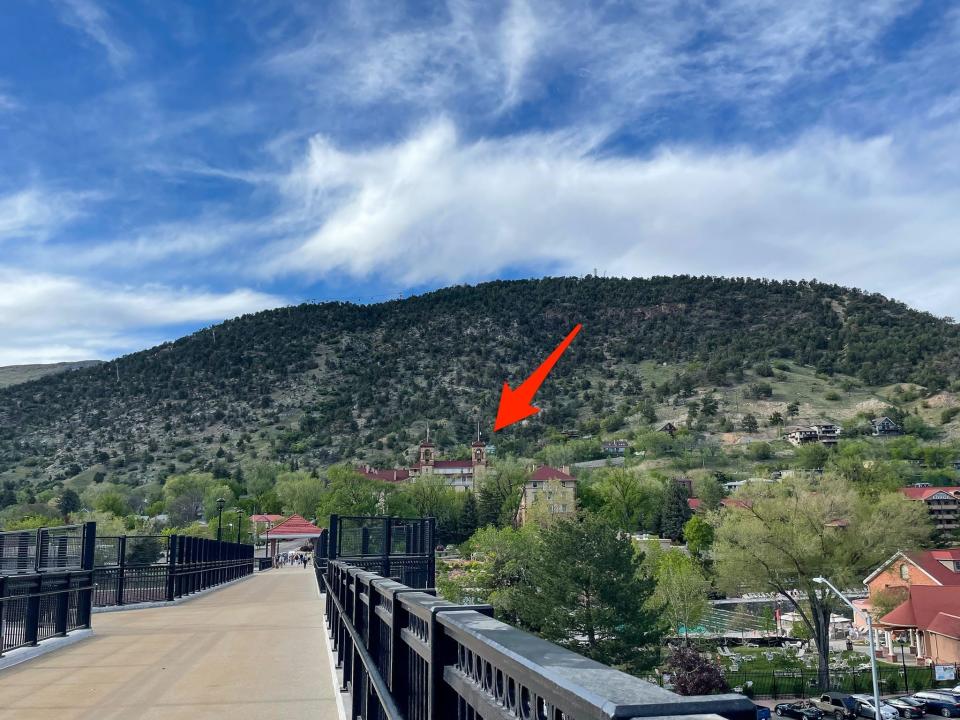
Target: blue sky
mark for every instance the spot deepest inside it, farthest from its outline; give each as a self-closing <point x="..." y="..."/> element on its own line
<point x="167" y="165"/>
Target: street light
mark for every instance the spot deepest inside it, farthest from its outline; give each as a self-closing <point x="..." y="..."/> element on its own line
<point x="873" y="652"/>
<point x="220" y="503"/>
<point x="902" y="640"/>
<point x="239" y="523"/>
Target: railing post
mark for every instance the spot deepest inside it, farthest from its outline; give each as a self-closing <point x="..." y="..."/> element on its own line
<point x="171" y="568"/>
<point x="431" y="552"/>
<point x="32" y="626"/>
<point x="387" y="547"/>
<point x="121" y="569"/>
<point x="63" y="604"/>
<point x="333" y="546"/>
<point x="87" y="554"/>
<point x="3" y="595"/>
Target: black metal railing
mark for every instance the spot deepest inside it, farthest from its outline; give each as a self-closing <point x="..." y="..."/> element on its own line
<point x="406" y="654"/>
<point x="26" y="551"/>
<point x="264" y="563"/>
<point x="398" y="548"/>
<point x="157" y="568"/>
<point x="46" y="583"/>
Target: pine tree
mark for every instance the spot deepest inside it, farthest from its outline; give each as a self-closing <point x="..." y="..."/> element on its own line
<point x="675" y="513"/>
<point x="586" y="593"/>
<point x="469" y="516"/>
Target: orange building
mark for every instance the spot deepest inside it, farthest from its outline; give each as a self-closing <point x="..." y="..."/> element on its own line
<point x="916" y="584"/>
<point x="930" y="621"/>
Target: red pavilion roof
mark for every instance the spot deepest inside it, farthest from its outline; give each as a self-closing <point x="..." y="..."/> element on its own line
<point x="295" y="526"/>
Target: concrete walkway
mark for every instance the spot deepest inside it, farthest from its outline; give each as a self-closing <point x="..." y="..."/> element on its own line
<point x="256" y="650"/>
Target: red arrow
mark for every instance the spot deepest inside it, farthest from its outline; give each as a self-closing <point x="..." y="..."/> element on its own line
<point x="515" y="404"/>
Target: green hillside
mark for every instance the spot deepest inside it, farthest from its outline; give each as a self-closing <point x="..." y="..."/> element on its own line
<point x="320" y="383"/>
<point x="16" y="374"/>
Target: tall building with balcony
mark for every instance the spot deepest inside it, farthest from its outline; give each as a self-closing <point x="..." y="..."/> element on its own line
<point x="943" y="503"/>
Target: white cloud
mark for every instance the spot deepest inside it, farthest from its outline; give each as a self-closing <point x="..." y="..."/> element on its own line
<point x="617" y="59"/>
<point x="92" y="20"/>
<point x="34" y="212"/>
<point x="49" y="318"/>
<point x="434" y="208"/>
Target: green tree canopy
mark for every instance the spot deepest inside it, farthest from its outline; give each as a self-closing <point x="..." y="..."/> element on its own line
<point x="783" y="535"/>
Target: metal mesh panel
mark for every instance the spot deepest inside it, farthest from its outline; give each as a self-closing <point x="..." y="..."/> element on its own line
<point x="18" y="551"/>
<point x="60" y="547"/>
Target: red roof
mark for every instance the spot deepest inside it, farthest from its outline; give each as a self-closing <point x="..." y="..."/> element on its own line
<point x="929" y="561"/>
<point x="694" y="503"/>
<point x="265" y="518"/>
<point x="453" y="463"/>
<point x="394" y="475"/>
<point x="922" y="493"/>
<point x="295" y="526"/>
<point x="545" y="473"/>
<point x="924" y="608"/>
<point x="946" y="624"/>
<point x="733" y="502"/>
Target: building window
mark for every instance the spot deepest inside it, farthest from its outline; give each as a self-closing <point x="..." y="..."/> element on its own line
<point x="904" y="572"/>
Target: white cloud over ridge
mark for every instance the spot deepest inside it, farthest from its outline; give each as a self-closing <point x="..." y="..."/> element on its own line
<point x="52" y="318"/>
<point x="435" y="208"/>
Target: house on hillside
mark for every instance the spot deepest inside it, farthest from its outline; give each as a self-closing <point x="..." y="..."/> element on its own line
<point x="825" y="433"/>
<point x="615" y="447"/>
<point x="884" y="426"/>
<point x="943" y="503"/>
<point x="669" y="428"/>
<point x="553" y="489"/>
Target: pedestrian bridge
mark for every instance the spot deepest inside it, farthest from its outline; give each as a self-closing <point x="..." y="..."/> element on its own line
<point x="361" y="634"/>
<point x="255" y="649"/>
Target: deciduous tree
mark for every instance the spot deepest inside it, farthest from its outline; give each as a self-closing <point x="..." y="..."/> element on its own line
<point x="781" y="536"/>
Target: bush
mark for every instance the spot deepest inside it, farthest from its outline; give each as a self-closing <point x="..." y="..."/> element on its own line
<point x="949" y="414"/>
<point x="693" y="674"/>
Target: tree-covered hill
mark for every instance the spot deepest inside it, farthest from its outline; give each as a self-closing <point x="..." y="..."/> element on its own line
<point x="16" y="374"/>
<point x="318" y="383"/>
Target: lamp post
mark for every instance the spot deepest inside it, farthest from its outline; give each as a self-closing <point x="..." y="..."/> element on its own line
<point x="239" y="523"/>
<point x="902" y="641"/>
<point x="873" y="652"/>
<point x="220" y="503"/>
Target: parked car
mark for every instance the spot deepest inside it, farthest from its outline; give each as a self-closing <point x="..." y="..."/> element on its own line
<point x="865" y="708"/>
<point x="801" y="710"/>
<point x="763" y="712"/>
<point x="908" y="707"/>
<point x="940" y="702"/>
<point x="838" y="704"/>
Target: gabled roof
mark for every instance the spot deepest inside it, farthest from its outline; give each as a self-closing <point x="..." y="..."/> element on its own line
<point x="694" y="503"/>
<point x="545" y="473"/>
<point x="925" y="493"/>
<point x="295" y="526"/>
<point x="925" y="561"/>
<point x="928" y="606"/>
<point x="265" y="518"/>
<point x="389" y="475"/>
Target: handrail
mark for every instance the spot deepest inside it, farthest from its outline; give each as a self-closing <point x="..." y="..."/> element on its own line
<point x="430" y="659"/>
<point x="387" y="704"/>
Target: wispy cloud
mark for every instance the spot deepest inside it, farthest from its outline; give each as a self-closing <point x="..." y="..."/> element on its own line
<point x="91" y="19"/>
<point x="36" y="213"/>
<point x="46" y="318"/>
<point x="436" y="209"/>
